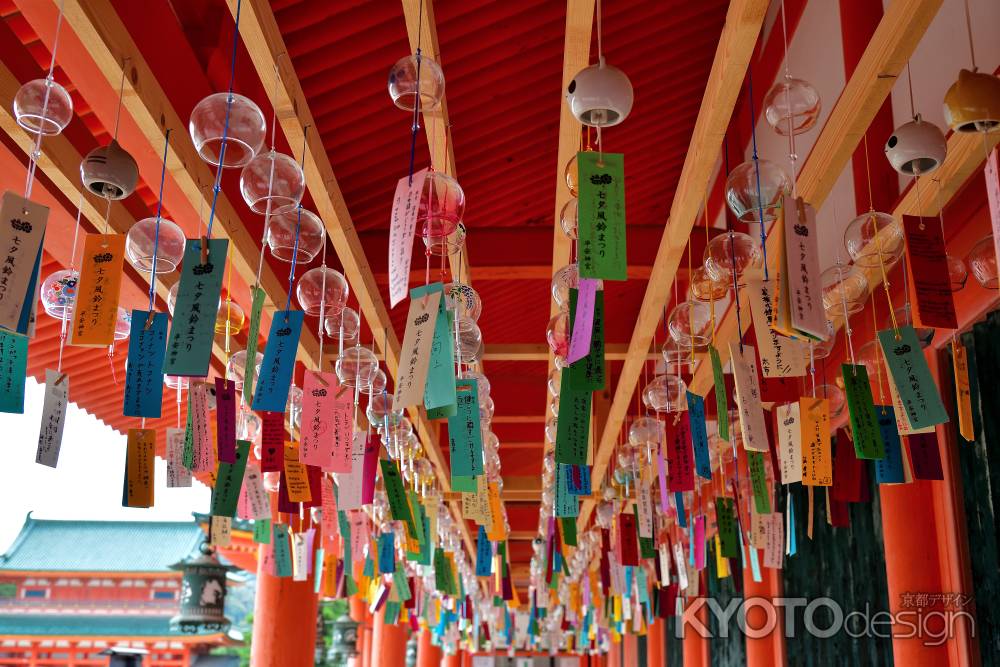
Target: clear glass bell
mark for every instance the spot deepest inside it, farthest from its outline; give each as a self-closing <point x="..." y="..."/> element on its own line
<point x="378" y="383"/>
<point x="566" y="278"/>
<point x="835" y="395"/>
<point x="356" y="367"/>
<point x="792" y="106"/>
<point x="58" y="293"/>
<point x="822" y="348"/>
<point x="346" y="322"/>
<point x="873" y="239"/>
<point x="281" y="236"/>
<point x="236" y="367"/>
<point x="957" y="273"/>
<point x="322" y="286"/>
<point x="272" y="178"/>
<point x="568" y="218"/>
<point x="646" y="430"/>
<point x="464" y="302"/>
<point x="869" y="355"/>
<point x="482" y="382"/>
<point x="557" y="333"/>
<point x="141" y="241"/>
<point x="403" y="79"/>
<point x="293" y="405"/>
<point x="703" y="288"/>
<point x="470" y="344"/>
<point x="380" y="413"/>
<point x="554" y="382"/>
<point x="554" y="406"/>
<point x="729" y="253"/>
<point x="665" y="393"/>
<point x="674" y="353"/>
<point x="442" y="205"/>
<point x="230" y="317"/>
<point x="123" y="325"/>
<point x="690" y="324"/>
<point x="843" y="284"/>
<point x="172" y="298"/>
<point x="176" y="382"/>
<point x="904" y="316"/>
<point x="248" y="426"/>
<point x="244" y="136"/>
<point x="43" y="107"/>
<point x="551" y="428"/>
<point x="445" y="245"/>
<point x="572" y="175"/>
<point x="742" y="185"/>
<point x="982" y="261"/>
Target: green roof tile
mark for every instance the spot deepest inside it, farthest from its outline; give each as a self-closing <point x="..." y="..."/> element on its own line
<point x="88" y="626"/>
<point x="101" y="546"/>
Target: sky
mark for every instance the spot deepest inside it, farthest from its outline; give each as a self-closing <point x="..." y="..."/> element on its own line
<point x="87" y="484"/>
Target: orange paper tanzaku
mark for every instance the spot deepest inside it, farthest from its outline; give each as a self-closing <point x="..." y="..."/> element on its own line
<point x="95" y="312"/>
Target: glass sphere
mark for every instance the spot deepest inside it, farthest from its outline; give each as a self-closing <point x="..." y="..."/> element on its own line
<point x="904" y="316"/>
<point x="703" y="288"/>
<point x="869" y="355"/>
<point x="172" y="298"/>
<point x="566" y="278"/>
<point x="403" y="78"/>
<point x="356" y="367"/>
<point x="482" y="383"/>
<point x="141" y="241"/>
<point x="843" y="284"/>
<point x="281" y="233"/>
<point x="442" y="205"/>
<point x="464" y="301"/>
<point x="380" y="413"/>
<point x="665" y="393"/>
<point x="835" y="395"/>
<point x="742" y="186"/>
<point x="43" y="107"/>
<point x="273" y="179"/>
<point x="873" y="234"/>
<point x="554" y="406"/>
<point x="646" y="429"/>
<point x="176" y="382"/>
<point x="486" y="408"/>
<point x="445" y="245"/>
<point x="690" y="324"/>
<point x="982" y="261"/>
<point x="957" y="273"/>
<point x="346" y="323"/>
<point x="322" y="288"/>
<point x="557" y="333"/>
<point x="123" y="325"/>
<point x="569" y="217"/>
<point x="674" y="353"/>
<point x="792" y="106"/>
<point x="733" y="252"/>
<point x="58" y="293"/>
<point x="248" y="426"/>
<point x="554" y="382"/>
<point x="551" y="428"/>
<point x="230" y="317"/>
<point x="470" y="344"/>
<point x="572" y="175"/>
<point x="378" y="383"/>
<point x="822" y="349"/>
<point x="244" y="136"/>
<point x="236" y="367"/>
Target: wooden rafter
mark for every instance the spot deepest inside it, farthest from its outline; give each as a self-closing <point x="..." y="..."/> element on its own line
<point x="744" y="20"/>
<point x="893" y="42"/>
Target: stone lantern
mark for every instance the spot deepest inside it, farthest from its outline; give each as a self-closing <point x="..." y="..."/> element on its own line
<point x="203" y="594"/>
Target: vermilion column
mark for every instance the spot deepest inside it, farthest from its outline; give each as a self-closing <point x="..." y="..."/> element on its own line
<point x="655" y="644"/>
<point x="284" y="621"/>
<point x="428" y="655"/>
<point x="615" y="655"/>
<point x="453" y="660"/>
<point x="630" y="650"/>
<point x="359" y="614"/>
<point x="388" y="646"/>
<point x="696" y="648"/>
<point x="765" y="639"/>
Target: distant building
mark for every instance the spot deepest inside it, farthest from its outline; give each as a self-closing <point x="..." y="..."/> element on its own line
<point x="72" y="589"/>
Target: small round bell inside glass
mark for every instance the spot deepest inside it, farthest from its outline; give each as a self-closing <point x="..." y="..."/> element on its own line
<point x="403" y="83"/>
<point x="143" y="240"/>
<point x="982" y="261"/>
<point x="792" y="106"/>
<point x="43" y="106"/>
<point x="290" y="235"/>
<point x="874" y="239"/>
<point x="58" y="293"/>
<point x="231" y="119"/>
<point x="843" y="286"/>
<point x="749" y="178"/>
<point x="690" y="324"/>
<point x="728" y="254"/>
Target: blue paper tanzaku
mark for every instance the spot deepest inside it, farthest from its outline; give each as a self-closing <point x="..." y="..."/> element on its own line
<point x="484" y="554"/>
<point x="578" y="480"/>
<point x="189" y="344"/>
<point x="13" y="371"/>
<point x="276" y="369"/>
<point x="699" y="435"/>
<point x="889" y="470"/>
<point x="144" y="375"/>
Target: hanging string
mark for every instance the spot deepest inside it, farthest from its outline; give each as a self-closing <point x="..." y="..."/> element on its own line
<point x="121" y="97"/>
<point x="217" y="188"/>
<point x="968" y="27"/>
<point x="156" y="232"/>
<point x="909" y="81"/>
<point x="36" y="152"/>
<point x="320" y="328"/>
<point x="72" y="270"/>
<point x="878" y="239"/>
<point x="878" y="354"/>
<point x="298" y="229"/>
<point x="792" y="155"/>
<point x="756" y="168"/>
<point x="415" y="127"/>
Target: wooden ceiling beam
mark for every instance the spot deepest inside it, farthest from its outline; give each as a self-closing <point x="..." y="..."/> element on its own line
<point x="110" y="46"/>
<point x="744" y="20"/>
<point x="266" y="46"/>
<point x="520" y="272"/>
<point x="895" y="38"/>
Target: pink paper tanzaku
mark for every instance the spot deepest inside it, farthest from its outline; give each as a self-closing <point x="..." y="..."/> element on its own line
<point x="662" y="466"/>
<point x="369" y="468"/>
<point x="992" y="173"/>
<point x="583" y="322"/>
<point x="699" y="542"/>
<point x="327" y="413"/>
<point x="402" y="227"/>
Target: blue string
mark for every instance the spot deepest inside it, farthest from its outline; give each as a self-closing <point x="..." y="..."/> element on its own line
<point x="416" y="121"/>
<point x="298" y="229"/>
<point x="732" y="250"/>
<point x="156" y="234"/>
<point x="756" y="168"/>
<point x="225" y="128"/>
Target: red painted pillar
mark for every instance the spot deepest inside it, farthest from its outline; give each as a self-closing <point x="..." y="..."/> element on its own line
<point x="284" y="621"/>
<point x="615" y="654"/>
<point x="630" y="650"/>
<point x="388" y="646"/>
<point x="359" y="614"/>
<point x="453" y="660"/>
<point x="765" y="638"/>
<point x="696" y="648"/>
<point x="428" y="655"/>
<point x="656" y="655"/>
